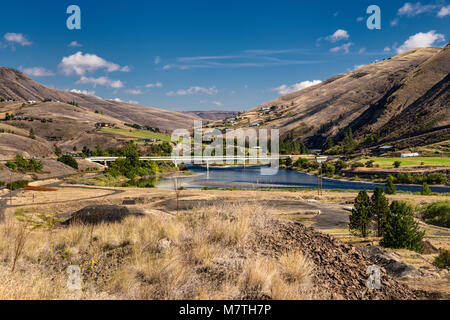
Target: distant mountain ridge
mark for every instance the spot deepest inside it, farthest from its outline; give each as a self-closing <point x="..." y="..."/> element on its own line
<point x="400" y="98"/>
<point x="18" y="86"/>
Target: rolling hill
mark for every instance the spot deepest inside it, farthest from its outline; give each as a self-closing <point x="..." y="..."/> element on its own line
<point x="402" y="100"/>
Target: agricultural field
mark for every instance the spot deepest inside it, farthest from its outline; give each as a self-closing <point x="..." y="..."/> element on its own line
<point x="134" y="133"/>
<point x="409" y="162"/>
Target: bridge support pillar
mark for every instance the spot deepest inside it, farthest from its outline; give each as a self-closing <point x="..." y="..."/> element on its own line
<point x="207" y="166"/>
<point x="176" y="163"/>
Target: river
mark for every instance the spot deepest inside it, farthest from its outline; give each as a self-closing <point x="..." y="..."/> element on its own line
<point x="250" y="178"/>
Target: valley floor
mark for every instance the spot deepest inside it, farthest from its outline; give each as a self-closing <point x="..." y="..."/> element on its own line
<point x="224" y="243"/>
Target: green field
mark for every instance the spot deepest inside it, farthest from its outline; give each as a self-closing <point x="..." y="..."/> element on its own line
<point x="133" y="133"/>
<point x="416" y="161"/>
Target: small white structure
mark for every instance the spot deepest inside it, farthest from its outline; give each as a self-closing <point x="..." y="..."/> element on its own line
<point x="254" y="125"/>
<point x="408" y="155"/>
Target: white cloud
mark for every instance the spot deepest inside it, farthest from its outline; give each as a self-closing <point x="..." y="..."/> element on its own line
<point x="362" y="50"/>
<point x="120" y="100"/>
<point x="345" y="47"/>
<point x="387" y="49"/>
<point x="37" y="72"/>
<point x="358" y="66"/>
<point x="157" y="60"/>
<point x="217" y="103"/>
<point x="86" y="92"/>
<point x="285" y="89"/>
<point x="154" y="85"/>
<point x="421" y="40"/>
<point x="411" y="10"/>
<point x="74" y="44"/>
<point x="193" y="90"/>
<point x="17" y="38"/>
<point x="394" y="22"/>
<point x="359" y="19"/>
<point x="102" y="81"/>
<point x="445" y="11"/>
<point x="338" y="35"/>
<point x="80" y="63"/>
<point x="132" y="91"/>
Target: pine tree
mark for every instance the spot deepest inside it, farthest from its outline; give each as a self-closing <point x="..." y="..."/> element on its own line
<point x="401" y="230"/>
<point x="380" y="209"/>
<point x="361" y="216"/>
<point x="425" y="190"/>
<point x="390" y="187"/>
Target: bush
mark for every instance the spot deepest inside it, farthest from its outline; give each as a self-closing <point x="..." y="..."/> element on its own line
<point x="69" y="160"/>
<point x="397" y="164"/>
<point x="425" y="190"/>
<point x="438" y="213"/>
<point x="401" y="230"/>
<point x="17" y="184"/>
<point x="24" y="165"/>
<point x="443" y="259"/>
<point x="357" y="165"/>
<point x="390" y="187"/>
<point x="2" y="183"/>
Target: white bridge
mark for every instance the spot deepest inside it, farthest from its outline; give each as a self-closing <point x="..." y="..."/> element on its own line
<point x="200" y="159"/>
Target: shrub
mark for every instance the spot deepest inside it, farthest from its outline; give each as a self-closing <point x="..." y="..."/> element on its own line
<point x="390" y="187"/>
<point x="17" y="184"/>
<point x="425" y="190"/>
<point x="397" y="164"/>
<point x="2" y="183"/>
<point x="400" y="228"/>
<point x="69" y="160"/>
<point x="438" y="213"/>
<point x="369" y="164"/>
<point x="443" y="259"/>
<point x="357" y="165"/>
<point x="24" y="165"/>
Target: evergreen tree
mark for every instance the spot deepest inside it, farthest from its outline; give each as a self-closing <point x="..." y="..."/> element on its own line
<point x="401" y="230"/>
<point x="390" y="187"/>
<point x="361" y="216"/>
<point x="425" y="190"/>
<point x="380" y="209"/>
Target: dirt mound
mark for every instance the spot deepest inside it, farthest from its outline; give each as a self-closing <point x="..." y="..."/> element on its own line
<point x="96" y="214"/>
<point x="341" y="271"/>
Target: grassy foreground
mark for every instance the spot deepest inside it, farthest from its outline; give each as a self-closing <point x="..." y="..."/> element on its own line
<point x="200" y="254"/>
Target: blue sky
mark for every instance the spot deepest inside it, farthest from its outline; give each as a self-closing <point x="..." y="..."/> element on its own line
<point x="205" y="55"/>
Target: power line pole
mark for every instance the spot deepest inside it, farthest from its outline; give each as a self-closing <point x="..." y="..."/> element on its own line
<point x="10" y="188"/>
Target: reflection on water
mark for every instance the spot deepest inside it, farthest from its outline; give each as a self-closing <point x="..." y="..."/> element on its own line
<point x="248" y="178"/>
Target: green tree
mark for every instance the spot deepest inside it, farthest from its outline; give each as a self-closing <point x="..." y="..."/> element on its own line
<point x="380" y="209"/>
<point x="57" y="150"/>
<point x="361" y="216"/>
<point x="31" y="135"/>
<point x="69" y="160"/>
<point x="425" y="190"/>
<point x="401" y="230"/>
<point x="397" y="164"/>
<point x="390" y="187"/>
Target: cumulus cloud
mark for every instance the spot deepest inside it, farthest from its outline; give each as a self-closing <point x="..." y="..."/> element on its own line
<point x="411" y="10"/>
<point x="154" y="85"/>
<point x="193" y="90"/>
<point x="132" y="91"/>
<point x="421" y="40"/>
<point x="74" y="44"/>
<point x="157" y="60"/>
<point x="17" y="38"/>
<point x="37" y="72"/>
<point x="120" y="100"/>
<point x="345" y="47"/>
<point x="80" y="64"/>
<point x="338" y="35"/>
<point x="285" y="89"/>
<point x="102" y="81"/>
<point x="86" y="92"/>
<point x="387" y="49"/>
<point x="445" y="11"/>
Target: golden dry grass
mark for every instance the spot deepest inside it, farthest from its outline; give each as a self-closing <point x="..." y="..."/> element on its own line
<point x="203" y="253"/>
